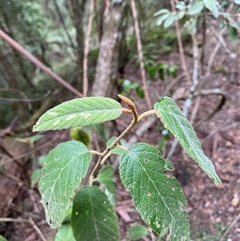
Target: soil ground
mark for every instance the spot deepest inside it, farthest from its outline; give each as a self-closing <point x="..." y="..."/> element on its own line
<point x="211" y="209"/>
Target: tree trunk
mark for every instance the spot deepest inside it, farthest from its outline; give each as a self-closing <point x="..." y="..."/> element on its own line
<point x="107" y="66"/>
<point x="78" y="8"/>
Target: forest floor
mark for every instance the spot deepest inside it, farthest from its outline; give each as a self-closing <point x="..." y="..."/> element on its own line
<point x="211" y="209"/>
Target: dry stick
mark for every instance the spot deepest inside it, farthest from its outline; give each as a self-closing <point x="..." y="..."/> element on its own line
<point x="180" y="45"/>
<point x="208" y="72"/>
<point x="61" y="18"/>
<point x="232" y="224"/>
<point x="37" y="229"/>
<point x="21" y="220"/>
<point x="140" y="54"/>
<point x="38" y="63"/>
<point x="86" y="49"/>
<point x="212" y="56"/>
<point x="25" y="98"/>
<point x="17" y="91"/>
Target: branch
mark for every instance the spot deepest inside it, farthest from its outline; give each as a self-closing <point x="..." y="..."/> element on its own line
<point x="21" y="220"/>
<point x="63" y="24"/>
<point x="86" y="49"/>
<point x="38" y="63"/>
<point x="232" y="224"/>
<point x="140" y="54"/>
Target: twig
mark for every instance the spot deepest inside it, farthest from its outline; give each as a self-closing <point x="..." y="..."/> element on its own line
<point x="38" y="63"/>
<point x="140" y="54"/>
<point x="37" y="229"/>
<point x="211" y="58"/>
<point x="17" y="91"/>
<point x="180" y="45"/>
<point x="221" y="39"/>
<point x="232" y="224"/>
<point x="21" y="220"/>
<point x="25" y="100"/>
<point x="63" y="24"/>
<point x="86" y="49"/>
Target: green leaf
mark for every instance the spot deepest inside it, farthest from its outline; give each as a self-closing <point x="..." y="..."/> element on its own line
<point x="93" y="217"/>
<point x="232" y="34"/>
<point x="65" y="233"/>
<point x="2" y="238"/>
<point x="195" y="8"/>
<point x="162" y="18"/>
<point x="152" y="71"/>
<point x="79" y="112"/>
<point x="180" y="14"/>
<point x="181" y="128"/>
<point x="157" y="196"/>
<point x="161" y="11"/>
<point x="211" y="5"/>
<point x="35" y="177"/>
<point x="137" y="231"/>
<point x="169" y="21"/>
<point x="106" y="177"/>
<point x="140" y="92"/>
<point x="63" y="169"/>
<point x="180" y="5"/>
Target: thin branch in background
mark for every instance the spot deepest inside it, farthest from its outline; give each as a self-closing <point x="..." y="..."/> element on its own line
<point x="232" y="224"/>
<point x="222" y="41"/>
<point x="30" y="221"/>
<point x="140" y="54"/>
<point x="86" y="49"/>
<point x="63" y="24"/>
<point x="38" y="63"/>
<point x="204" y="27"/>
<point x="25" y="98"/>
<point x="195" y="63"/>
<point x="180" y="45"/>
<point x="212" y="56"/>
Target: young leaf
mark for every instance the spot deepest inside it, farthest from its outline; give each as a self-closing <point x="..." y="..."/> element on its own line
<point x="65" y="233"/>
<point x="63" y="169"/>
<point x="93" y="217"/>
<point x="181" y="128"/>
<point x="79" y="112"/>
<point x="157" y="196"/>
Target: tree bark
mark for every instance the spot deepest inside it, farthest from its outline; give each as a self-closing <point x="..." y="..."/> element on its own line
<point x="107" y="65"/>
<point x="78" y="9"/>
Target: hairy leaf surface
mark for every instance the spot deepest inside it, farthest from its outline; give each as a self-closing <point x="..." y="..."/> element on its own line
<point x="93" y="217"/>
<point x="181" y="128"/>
<point x="79" y="112"/>
<point x="63" y="169"/>
<point x="157" y="196"/>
